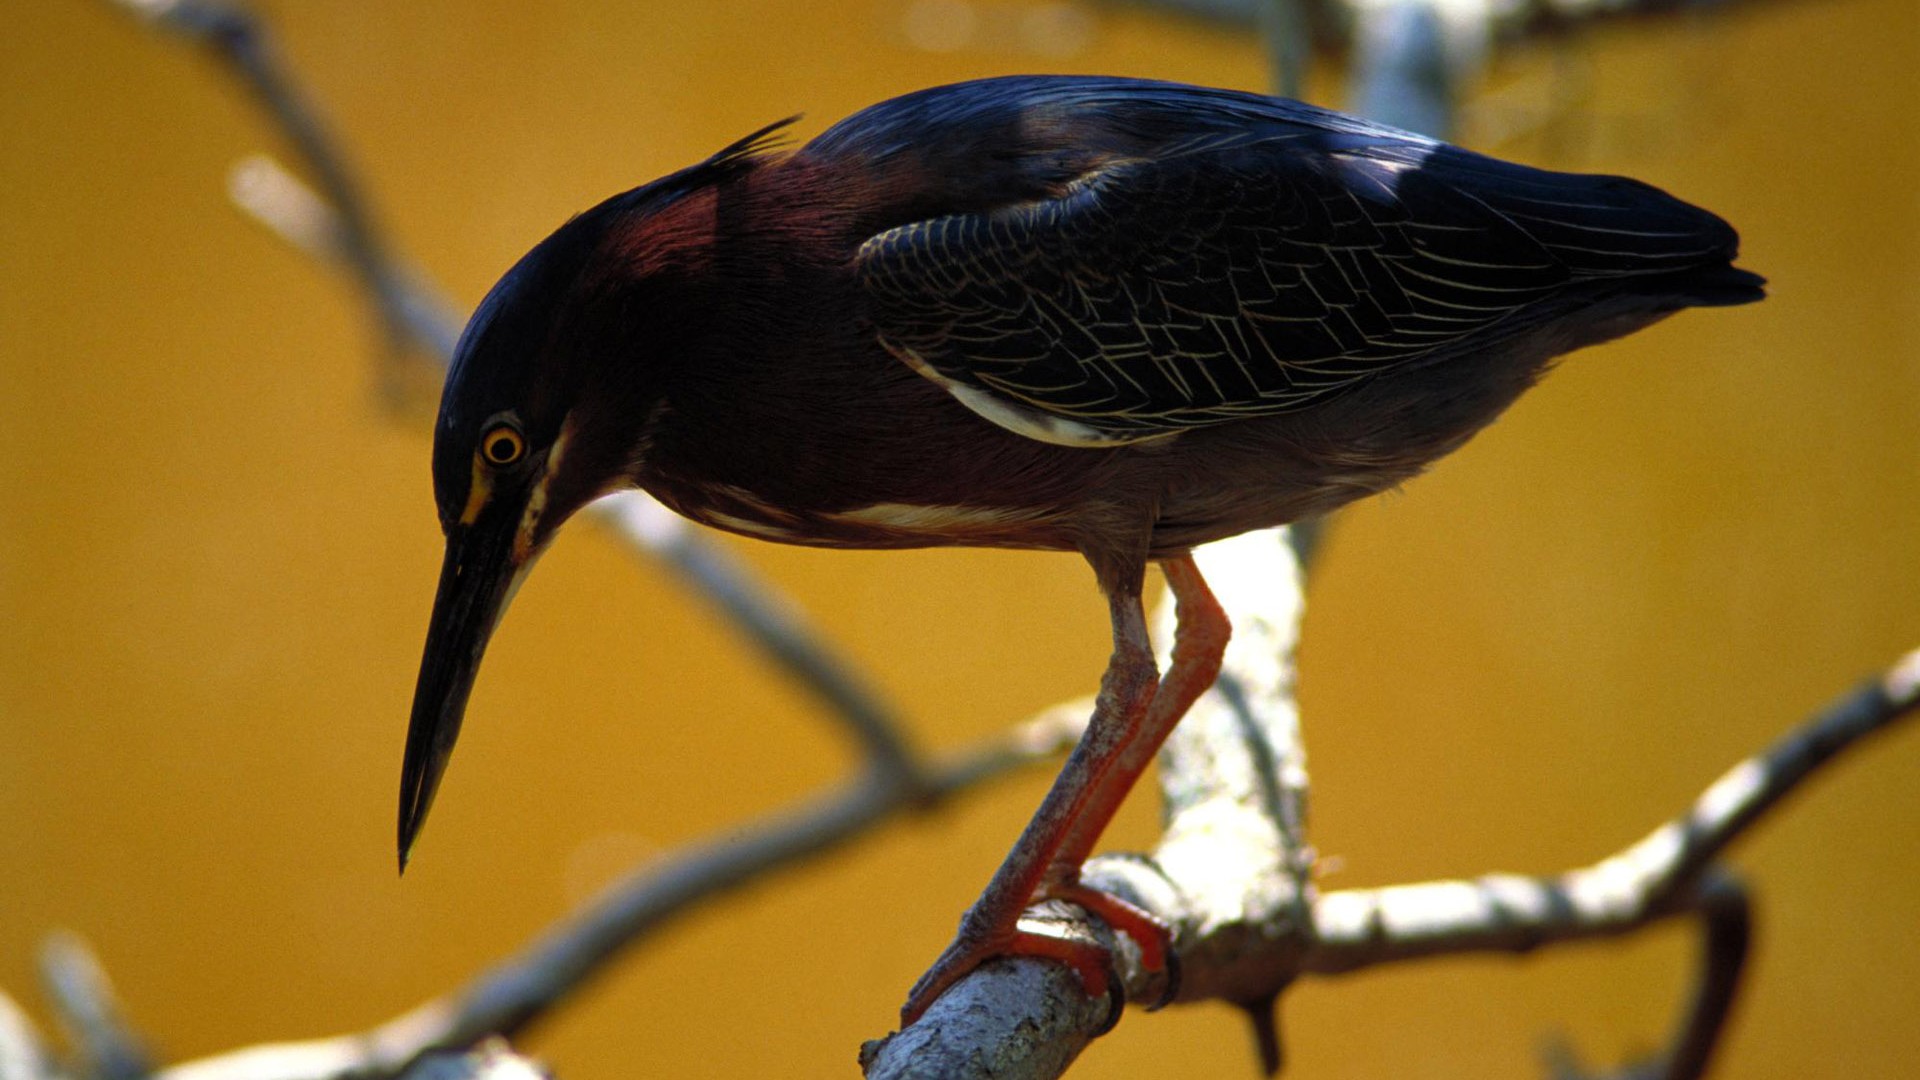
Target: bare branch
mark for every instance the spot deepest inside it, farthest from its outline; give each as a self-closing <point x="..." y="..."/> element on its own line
<point x="1231" y="875"/>
<point x="522" y="989"/>
<point x="1329" y="24"/>
<point x="274" y="197"/>
<point x="23" y="1054"/>
<point x="90" y="1011"/>
<point x="335" y="225"/>
<point x="1408" y="63"/>
<point x="240" y="41"/>
<point x="759" y="611"/>
<point x="491" y="1060"/>
<point x="1358" y="928"/>
<point x="1285" y="29"/>
<point x="970" y="1033"/>
<point x="1726" y="919"/>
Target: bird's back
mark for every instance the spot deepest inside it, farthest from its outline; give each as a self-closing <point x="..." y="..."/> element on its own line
<point x="1097" y="260"/>
<point x="988" y="143"/>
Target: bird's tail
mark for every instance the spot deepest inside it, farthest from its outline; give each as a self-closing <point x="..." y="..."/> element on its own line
<point x="1716" y="286"/>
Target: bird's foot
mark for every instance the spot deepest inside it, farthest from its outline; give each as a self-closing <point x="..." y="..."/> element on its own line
<point x="1090" y="961"/>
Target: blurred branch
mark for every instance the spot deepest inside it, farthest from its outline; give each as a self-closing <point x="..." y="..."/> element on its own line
<point x="334" y="224"/>
<point x="1407" y="65"/>
<point x="1285" y="27"/>
<point x="239" y="40"/>
<point x="416" y="310"/>
<point x="89" y="1010"/>
<point x="490" y="1061"/>
<point x="521" y="990"/>
<point x="1329" y="24"/>
<point x="23" y="1055"/>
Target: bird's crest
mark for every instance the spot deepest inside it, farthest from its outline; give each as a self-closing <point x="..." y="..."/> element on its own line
<point x="767" y="139"/>
<point x="728" y="162"/>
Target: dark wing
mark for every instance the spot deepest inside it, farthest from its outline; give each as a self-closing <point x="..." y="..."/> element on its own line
<point x="1253" y="265"/>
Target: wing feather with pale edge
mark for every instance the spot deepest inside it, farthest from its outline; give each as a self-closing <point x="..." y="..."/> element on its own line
<point x="1247" y="273"/>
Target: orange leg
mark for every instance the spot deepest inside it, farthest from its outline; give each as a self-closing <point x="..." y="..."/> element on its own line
<point x="1129" y="723"/>
<point x="1201" y="630"/>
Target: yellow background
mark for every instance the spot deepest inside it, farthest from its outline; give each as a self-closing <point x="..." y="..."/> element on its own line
<point x="216" y="560"/>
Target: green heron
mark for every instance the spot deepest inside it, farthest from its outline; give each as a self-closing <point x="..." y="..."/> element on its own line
<point x="1109" y="316"/>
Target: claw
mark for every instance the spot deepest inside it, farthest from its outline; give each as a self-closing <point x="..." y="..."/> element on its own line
<point x="1116" y="1001"/>
<point x="1172" y="990"/>
<point x="1149" y="934"/>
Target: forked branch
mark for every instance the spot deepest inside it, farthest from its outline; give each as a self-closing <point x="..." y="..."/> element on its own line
<point x="1232" y="874"/>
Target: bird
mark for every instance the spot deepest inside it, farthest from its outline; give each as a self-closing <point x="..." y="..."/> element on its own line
<point x="1110" y="316"/>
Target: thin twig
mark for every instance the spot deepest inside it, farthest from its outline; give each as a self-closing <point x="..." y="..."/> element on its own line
<point x="238" y="38"/>
<point x="761" y="612"/>
<point x="404" y="294"/>
<point x="1726" y="937"/>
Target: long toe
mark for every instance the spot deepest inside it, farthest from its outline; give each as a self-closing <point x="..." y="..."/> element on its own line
<point x="1151" y="936"/>
<point x="1090" y="962"/>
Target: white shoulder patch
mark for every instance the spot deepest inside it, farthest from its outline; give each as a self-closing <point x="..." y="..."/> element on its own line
<point x="1020" y="419"/>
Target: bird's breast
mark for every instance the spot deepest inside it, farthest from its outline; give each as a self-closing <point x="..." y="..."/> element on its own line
<point x="850" y="448"/>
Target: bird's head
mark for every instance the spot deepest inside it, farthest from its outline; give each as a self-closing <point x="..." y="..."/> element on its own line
<point x="546" y="407"/>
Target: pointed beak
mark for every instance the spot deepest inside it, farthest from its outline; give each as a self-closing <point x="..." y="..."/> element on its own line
<point x="477" y="580"/>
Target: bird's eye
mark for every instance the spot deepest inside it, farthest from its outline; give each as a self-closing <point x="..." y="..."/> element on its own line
<point x="502" y="445"/>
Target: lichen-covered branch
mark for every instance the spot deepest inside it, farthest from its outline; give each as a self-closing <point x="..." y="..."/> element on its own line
<point x="1232" y="879"/>
<point x="1357" y="928"/>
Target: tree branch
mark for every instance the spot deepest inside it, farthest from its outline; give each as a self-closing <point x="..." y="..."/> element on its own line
<point x="1358" y="928"/>
<point x="1330" y="23"/>
<point x="491" y="1060"/>
<point x="23" y="1054"/>
<point x="1231" y="875"/>
<point x="1726" y="919"/>
<point x="89" y="1010"/>
<point x="520" y="990"/>
<point x="336" y="225"/>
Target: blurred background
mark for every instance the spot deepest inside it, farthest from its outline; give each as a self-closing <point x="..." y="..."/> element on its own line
<point x="218" y="556"/>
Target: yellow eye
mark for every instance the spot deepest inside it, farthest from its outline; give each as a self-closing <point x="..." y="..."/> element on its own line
<point x="502" y="444"/>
